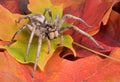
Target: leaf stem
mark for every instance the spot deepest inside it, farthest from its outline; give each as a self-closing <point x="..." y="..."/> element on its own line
<point x="96" y="52"/>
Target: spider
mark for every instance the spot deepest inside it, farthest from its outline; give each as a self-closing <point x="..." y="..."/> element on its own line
<point x="42" y="27"/>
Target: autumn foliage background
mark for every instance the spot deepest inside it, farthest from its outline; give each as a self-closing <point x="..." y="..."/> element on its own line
<point x="103" y="15"/>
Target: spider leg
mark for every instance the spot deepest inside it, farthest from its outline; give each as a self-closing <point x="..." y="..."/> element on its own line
<point x="61" y="40"/>
<point x="49" y="45"/>
<point x="83" y="33"/>
<point x="73" y="17"/>
<point x="37" y="55"/>
<point x="22" y="17"/>
<point x="57" y="19"/>
<point x="29" y="43"/>
<point x="18" y="31"/>
<point x="49" y="13"/>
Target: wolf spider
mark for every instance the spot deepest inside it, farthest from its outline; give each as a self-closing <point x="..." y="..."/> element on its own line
<point x="42" y="27"/>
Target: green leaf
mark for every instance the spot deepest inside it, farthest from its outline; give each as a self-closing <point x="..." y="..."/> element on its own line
<point x="18" y="49"/>
<point x="38" y="6"/>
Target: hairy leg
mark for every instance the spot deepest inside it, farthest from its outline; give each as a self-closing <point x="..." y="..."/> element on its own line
<point x="49" y="13"/>
<point x="83" y="33"/>
<point x="73" y="17"/>
<point x="37" y="55"/>
<point x="17" y="32"/>
<point x="57" y="20"/>
<point x="20" y="18"/>
<point x="61" y="40"/>
<point x="49" y="45"/>
<point x="30" y="41"/>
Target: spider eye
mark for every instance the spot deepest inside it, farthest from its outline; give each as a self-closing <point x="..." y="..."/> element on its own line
<point x="48" y="25"/>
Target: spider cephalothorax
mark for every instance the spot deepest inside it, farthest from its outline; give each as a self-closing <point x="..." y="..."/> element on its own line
<point x="42" y="27"/>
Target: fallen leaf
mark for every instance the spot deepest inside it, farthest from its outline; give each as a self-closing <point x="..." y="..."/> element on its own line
<point x="91" y="67"/>
<point x="23" y="7"/>
<point x="67" y="3"/>
<point x="88" y="69"/>
<point x="18" y="49"/>
<point x="107" y="70"/>
<point x="16" y="6"/>
<point x="7" y="23"/>
<point x="101" y="11"/>
<point x="109" y="33"/>
<point x="11" y="70"/>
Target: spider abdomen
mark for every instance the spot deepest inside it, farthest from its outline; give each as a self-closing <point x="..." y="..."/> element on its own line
<point x="38" y="18"/>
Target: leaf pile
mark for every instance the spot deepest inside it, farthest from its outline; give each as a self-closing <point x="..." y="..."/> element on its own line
<point x="61" y="65"/>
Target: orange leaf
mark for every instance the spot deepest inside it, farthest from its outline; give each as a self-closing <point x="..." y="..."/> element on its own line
<point x="91" y="68"/>
<point x="11" y="70"/>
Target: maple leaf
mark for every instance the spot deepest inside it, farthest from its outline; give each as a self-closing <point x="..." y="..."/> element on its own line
<point x="91" y="67"/>
<point x="18" y="49"/>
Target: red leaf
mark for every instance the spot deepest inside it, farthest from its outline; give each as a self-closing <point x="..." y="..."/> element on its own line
<point x="16" y="6"/>
<point x="94" y="13"/>
<point x="109" y="34"/>
<point x="91" y="68"/>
